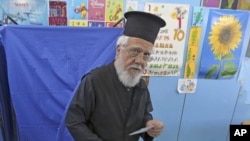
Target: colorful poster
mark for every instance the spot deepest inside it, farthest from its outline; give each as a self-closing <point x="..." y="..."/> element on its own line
<point x="96" y="24"/>
<point x="187" y="86"/>
<point x="78" y="23"/>
<point x="244" y="5"/>
<point x="25" y="12"/>
<point x="194" y="42"/>
<point x="211" y="3"/>
<point x="167" y="58"/>
<point x="2" y="20"/>
<point x="113" y="24"/>
<point x="229" y="4"/>
<point x="131" y="5"/>
<point x="78" y="13"/>
<point x="57" y="13"/>
<point x="96" y="10"/>
<point x="223" y="44"/>
<point x="114" y="10"/>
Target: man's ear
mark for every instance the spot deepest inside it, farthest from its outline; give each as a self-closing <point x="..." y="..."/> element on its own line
<point x="118" y="50"/>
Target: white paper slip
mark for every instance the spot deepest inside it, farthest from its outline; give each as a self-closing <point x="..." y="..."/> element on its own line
<point x="142" y="130"/>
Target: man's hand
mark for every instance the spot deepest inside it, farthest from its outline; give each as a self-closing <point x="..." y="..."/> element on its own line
<point x="157" y="127"/>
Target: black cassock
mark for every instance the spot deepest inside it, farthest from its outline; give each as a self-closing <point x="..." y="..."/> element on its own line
<point x="103" y="109"/>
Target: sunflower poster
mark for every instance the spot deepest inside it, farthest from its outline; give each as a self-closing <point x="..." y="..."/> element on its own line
<point x="167" y="58"/>
<point x="222" y="45"/>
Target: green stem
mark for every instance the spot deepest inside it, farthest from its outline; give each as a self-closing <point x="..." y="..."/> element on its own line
<point x="218" y="74"/>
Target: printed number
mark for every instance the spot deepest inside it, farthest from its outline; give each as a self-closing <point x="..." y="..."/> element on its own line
<point x="179" y="35"/>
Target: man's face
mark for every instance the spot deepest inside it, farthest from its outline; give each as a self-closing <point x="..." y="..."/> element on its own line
<point x="135" y="55"/>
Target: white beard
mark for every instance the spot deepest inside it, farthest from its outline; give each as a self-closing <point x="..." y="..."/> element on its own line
<point x="124" y="76"/>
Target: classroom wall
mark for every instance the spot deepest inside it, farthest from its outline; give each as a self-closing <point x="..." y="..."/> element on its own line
<point x="204" y="115"/>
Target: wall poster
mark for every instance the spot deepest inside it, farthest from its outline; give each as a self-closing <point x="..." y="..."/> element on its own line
<point x="211" y="3"/>
<point x="167" y="58"/>
<point x="78" y="13"/>
<point x="24" y="12"/>
<point x="194" y="42"/>
<point x="222" y="45"/>
<point x="243" y="5"/>
<point x="57" y="13"/>
<point x="114" y="12"/>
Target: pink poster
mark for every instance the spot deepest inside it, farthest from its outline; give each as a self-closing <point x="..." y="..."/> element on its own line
<point x="211" y="3"/>
<point x="96" y="11"/>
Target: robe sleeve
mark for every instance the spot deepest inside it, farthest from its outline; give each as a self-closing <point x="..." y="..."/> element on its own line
<point x="79" y="112"/>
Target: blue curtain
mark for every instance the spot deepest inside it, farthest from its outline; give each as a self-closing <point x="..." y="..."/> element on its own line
<point x="8" y="123"/>
<point x="44" y="67"/>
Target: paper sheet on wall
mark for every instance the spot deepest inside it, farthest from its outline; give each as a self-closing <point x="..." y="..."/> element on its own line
<point x="167" y="58"/>
<point x="187" y="85"/>
<point x="243" y="80"/>
<point x="131" y="5"/>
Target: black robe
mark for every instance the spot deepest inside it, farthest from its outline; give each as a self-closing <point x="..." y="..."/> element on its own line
<point x="103" y="109"/>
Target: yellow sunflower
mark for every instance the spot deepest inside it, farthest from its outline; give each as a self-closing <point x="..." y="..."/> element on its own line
<point x="225" y="35"/>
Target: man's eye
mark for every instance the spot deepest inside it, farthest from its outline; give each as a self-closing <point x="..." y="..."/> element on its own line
<point x="146" y="54"/>
<point x="137" y="51"/>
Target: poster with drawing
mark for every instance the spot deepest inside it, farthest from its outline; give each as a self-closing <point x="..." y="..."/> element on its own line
<point x="229" y="4"/>
<point x="58" y="13"/>
<point x="243" y="5"/>
<point x="222" y="45"/>
<point x="194" y="39"/>
<point x="131" y="5"/>
<point x="25" y="12"/>
<point x="167" y="57"/>
<point x="211" y="3"/>
<point x="187" y="85"/>
<point x="78" y="13"/>
<point x="114" y="12"/>
<point x="96" y="10"/>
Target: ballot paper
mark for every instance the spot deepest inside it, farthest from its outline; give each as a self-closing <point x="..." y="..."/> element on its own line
<point x="142" y="130"/>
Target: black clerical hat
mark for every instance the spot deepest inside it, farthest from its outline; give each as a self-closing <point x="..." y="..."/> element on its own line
<point x="142" y="25"/>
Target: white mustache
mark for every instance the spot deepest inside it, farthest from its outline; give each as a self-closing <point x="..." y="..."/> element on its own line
<point x="135" y="66"/>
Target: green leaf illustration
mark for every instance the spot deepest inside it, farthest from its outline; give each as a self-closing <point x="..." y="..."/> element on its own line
<point x="229" y="70"/>
<point x="188" y="72"/>
<point x="229" y="56"/>
<point x="211" y="71"/>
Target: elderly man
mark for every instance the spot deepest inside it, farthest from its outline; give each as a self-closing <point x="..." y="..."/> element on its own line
<point x="113" y="101"/>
